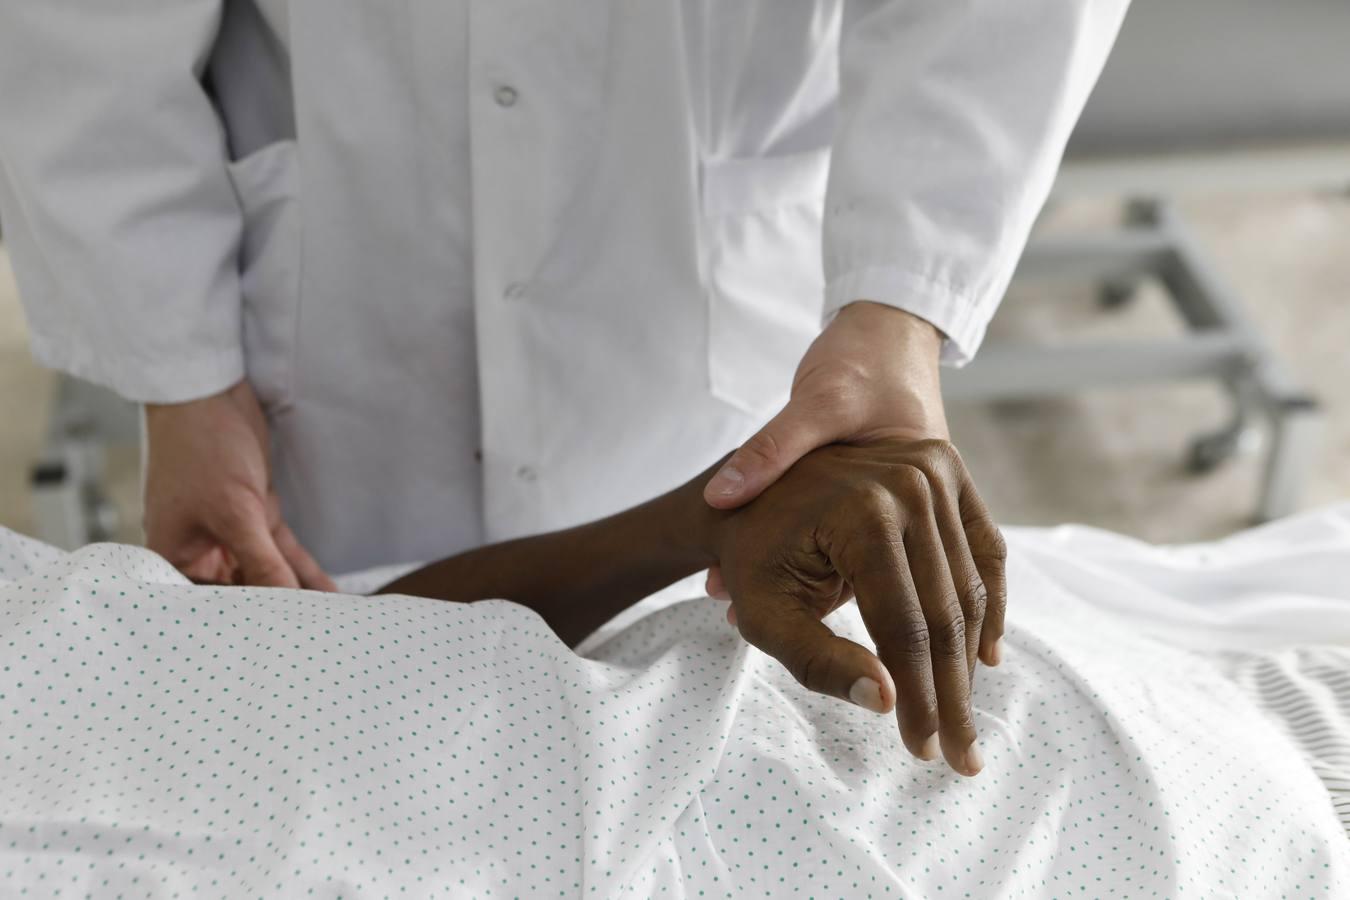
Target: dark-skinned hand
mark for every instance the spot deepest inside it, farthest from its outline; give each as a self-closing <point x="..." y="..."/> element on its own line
<point x="899" y="523"/>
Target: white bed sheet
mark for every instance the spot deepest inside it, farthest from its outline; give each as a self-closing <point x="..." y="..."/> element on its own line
<point x="159" y="739"/>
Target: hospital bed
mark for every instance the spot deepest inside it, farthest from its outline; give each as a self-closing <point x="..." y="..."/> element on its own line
<point x="1205" y="95"/>
<point x="1169" y="722"/>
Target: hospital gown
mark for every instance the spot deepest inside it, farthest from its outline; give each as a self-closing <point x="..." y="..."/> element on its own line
<point x="160" y="739"/>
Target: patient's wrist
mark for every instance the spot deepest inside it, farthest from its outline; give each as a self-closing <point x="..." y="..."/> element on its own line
<point x="690" y="527"/>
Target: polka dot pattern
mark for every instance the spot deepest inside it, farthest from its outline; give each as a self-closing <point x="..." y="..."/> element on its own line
<point x="159" y="739"/>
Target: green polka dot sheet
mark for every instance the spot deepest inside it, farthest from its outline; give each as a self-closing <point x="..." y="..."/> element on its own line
<point x="160" y="740"/>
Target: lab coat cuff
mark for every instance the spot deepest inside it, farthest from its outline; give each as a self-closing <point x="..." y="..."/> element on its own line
<point x="961" y="318"/>
<point x="168" y="380"/>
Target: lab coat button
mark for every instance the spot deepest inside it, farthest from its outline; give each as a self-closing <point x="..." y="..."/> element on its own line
<point x="505" y="95"/>
<point x="526" y="474"/>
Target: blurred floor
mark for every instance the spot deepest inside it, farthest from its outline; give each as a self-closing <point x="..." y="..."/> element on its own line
<point x="1110" y="458"/>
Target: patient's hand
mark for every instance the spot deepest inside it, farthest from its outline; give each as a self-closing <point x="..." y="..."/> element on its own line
<point x="900" y="524"/>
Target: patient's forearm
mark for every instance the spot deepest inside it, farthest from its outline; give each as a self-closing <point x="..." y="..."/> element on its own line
<point x="579" y="578"/>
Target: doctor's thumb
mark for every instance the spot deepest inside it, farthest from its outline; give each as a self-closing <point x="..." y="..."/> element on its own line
<point x="763" y="459"/>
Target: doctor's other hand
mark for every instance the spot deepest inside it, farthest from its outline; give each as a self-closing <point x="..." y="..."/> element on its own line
<point x="898" y="523"/>
<point x="209" y="506"/>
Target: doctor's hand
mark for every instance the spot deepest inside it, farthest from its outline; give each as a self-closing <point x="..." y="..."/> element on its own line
<point x="898" y="523"/>
<point x="209" y="506"/>
<point x="872" y="373"/>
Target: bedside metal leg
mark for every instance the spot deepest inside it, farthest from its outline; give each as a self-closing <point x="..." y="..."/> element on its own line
<point x="1295" y="437"/>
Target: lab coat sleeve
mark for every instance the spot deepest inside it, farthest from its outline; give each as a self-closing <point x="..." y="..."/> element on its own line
<point x="118" y="211"/>
<point x="953" y="116"/>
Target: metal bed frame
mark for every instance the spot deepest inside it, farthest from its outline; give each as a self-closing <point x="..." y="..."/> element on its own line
<point x="1220" y="344"/>
<point x="70" y="505"/>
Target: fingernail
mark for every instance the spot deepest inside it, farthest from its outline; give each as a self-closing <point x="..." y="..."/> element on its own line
<point x="973" y="760"/>
<point x="931" y="748"/>
<point x="724" y="596"/>
<point x="731" y="615"/>
<point x="996" y="651"/>
<point x="867" y="694"/>
<point x="727" y="481"/>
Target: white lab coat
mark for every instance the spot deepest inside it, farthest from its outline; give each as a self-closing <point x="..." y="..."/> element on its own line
<point x="496" y="266"/>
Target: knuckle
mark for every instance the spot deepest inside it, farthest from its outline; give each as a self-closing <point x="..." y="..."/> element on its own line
<point x="762" y="447"/>
<point x="949" y="637"/>
<point x="911" y="483"/>
<point x="273" y="571"/>
<point x="810" y="667"/>
<point x="974" y="596"/>
<point x="238" y="509"/>
<point x="874" y="552"/>
<point x="939" y="453"/>
<point x="913" y="641"/>
<point x="262" y="570"/>
<point x="875" y="502"/>
<point x="993" y="546"/>
<point x="869" y="536"/>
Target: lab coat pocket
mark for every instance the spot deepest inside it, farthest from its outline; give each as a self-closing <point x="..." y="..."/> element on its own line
<point x="267" y="182"/>
<point x="765" y="281"/>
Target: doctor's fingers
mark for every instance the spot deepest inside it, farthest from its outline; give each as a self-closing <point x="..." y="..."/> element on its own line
<point x="791" y="631"/>
<point x="212" y="566"/>
<point x="307" y="569"/>
<point x="798" y="429"/>
<point x="246" y="532"/>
